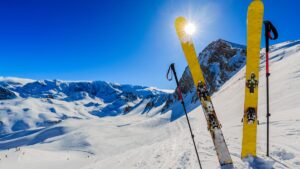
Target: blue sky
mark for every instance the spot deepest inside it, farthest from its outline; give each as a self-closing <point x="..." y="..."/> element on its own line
<point x="123" y="41"/>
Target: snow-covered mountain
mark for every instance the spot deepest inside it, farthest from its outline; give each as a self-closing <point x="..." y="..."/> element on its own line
<point x="219" y="61"/>
<point x="157" y="139"/>
<point x="56" y="100"/>
<point x="28" y="104"/>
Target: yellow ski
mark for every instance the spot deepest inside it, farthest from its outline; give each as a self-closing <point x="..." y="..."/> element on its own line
<point x="254" y="29"/>
<point x="213" y="123"/>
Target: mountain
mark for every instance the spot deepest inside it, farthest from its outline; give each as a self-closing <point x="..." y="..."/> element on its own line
<point x="219" y="61"/>
<point x="138" y="140"/>
<point x="29" y="104"/>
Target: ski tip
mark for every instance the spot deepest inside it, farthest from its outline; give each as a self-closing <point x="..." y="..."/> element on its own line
<point x="180" y="22"/>
<point x="256" y="4"/>
<point x="180" y="19"/>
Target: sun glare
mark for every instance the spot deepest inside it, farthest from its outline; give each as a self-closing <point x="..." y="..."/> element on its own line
<point x="190" y="29"/>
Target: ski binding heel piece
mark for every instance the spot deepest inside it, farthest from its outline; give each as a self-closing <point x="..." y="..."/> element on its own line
<point x="251" y="115"/>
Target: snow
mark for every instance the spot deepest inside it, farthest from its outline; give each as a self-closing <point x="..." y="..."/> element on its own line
<point x="151" y="139"/>
<point x="45" y="103"/>
<point x="15" y="80"/>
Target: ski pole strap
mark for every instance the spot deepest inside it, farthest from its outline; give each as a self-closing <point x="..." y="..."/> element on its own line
<point x="168" y="73"/>
<point x="270" y="28"/>
<point x="172" y="68"/>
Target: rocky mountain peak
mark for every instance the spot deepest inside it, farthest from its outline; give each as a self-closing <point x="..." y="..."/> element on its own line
<point x="219" y="61"/>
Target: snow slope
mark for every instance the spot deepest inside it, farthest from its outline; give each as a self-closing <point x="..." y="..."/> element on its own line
<point x="149" y="140"/>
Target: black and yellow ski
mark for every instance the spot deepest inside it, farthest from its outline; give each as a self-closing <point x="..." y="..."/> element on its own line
<point x="213" y="123"/>
<point x="254" y="29"/>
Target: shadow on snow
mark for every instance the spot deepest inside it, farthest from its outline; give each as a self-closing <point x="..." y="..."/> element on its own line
<point x="29" y="137"/>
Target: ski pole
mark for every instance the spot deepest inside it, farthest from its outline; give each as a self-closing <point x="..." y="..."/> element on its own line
<point x="172" y="67"/>
<point x="269" y="28"/>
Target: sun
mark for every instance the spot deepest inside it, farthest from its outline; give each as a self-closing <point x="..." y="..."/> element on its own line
<point x="190" y="28"/>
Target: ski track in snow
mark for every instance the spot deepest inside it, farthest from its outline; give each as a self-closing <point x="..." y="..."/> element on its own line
<point x="136" y="141"/>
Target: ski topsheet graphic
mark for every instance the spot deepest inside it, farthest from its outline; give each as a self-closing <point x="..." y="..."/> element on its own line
<point x="254" y="29"/>
<point x="213" y="123"/>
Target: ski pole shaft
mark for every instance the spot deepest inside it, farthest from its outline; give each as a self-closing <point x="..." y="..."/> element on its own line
<point x="267" y="87"/>
<point x="172" y="67"/>
<point x="268" y="29"/>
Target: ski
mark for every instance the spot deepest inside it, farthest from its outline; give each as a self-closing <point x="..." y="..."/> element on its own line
<point x="213" y="123"/>
<point x="254" y="31"/>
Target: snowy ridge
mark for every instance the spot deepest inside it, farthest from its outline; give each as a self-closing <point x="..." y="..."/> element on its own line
<point x="30" y="104"/>
<point x="150" y="140"/>
<point x="15" y="80"/>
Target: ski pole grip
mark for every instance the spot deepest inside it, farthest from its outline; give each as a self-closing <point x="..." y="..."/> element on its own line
<point x="172" y="66"/>
<point x="270" y="28"/>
